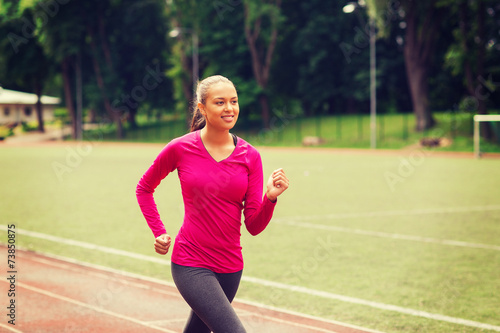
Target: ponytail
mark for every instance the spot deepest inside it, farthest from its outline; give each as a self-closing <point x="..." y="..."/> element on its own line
<point x="198" y="121"/>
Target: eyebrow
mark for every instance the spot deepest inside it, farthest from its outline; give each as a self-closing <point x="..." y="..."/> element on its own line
<point x="225" y="98"/>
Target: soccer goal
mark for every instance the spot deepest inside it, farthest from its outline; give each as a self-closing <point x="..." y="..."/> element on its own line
<point x="477" y="137"/>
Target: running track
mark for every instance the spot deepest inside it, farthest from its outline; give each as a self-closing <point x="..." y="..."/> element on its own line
<point x="61" y="295"/>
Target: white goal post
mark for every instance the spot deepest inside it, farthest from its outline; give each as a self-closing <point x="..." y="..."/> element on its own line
<point x="477" y="138"/>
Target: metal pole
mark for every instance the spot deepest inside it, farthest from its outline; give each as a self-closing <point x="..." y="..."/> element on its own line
<point x="195" y="62"/>
<point x="373" y="87"/>
<point x="79" y="116"/>
<point x="477" y="138"/>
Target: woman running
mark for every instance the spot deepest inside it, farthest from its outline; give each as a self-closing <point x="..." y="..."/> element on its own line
<point x="220" y="175"/>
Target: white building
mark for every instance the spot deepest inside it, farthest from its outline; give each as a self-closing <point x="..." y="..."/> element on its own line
<point x="16" y="106"/>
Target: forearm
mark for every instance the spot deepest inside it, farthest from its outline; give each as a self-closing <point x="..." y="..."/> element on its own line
<point x="271" y="197"/>
<point x="259" y="219"/>
<point x="149" y="210"/>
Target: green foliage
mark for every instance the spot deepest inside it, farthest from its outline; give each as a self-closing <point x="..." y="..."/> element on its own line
<point x="267" y="12"/>
<point x="381" y="12"/>
<point x="9" y="8"/>
<point x="27" y="127"/>
<point x="5" y="132"/>
<point x="320" y="62"/>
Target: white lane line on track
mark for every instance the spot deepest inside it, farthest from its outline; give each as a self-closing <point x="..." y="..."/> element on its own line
<point x="9" y="328"/>
<point x="118" y="273"/>
<point x="93" y="308"/>
<point x="377" y="305"/>
<point x="450" y="210"/>
<point x="160" y="322"/>
<point x="89" y="246"/>
<point x="317" y="329"/>
<point x="118" y="277"/>
<point x="449" y="242"/>
<point x="288" y="287"/>
<point x="294" y="313"/>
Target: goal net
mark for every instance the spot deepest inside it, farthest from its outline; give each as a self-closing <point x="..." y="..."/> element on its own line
<point x="477" y="137"/>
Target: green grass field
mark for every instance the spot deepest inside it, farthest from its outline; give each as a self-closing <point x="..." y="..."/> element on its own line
<point x="367" y="238"/>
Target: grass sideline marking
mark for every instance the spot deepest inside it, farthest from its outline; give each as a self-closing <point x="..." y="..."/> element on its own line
<point x="94" y="308"/>
<point x="377" y="305"/>
<point x="294" y="313"/>
<point x="451" y="210"/>
<point x="283" y="286"/>
<point x="391" y="235"/>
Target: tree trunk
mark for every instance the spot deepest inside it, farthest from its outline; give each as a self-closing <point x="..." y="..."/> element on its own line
<point x="68" y="96"/>
<point x="332" y="105"/>
<point x="419" y="90"/>
<point x="351" y="107"/>
<point x="131" y="118"/>
<point x="39" y="107"/>
<point x="103" y="38"/>
<point x="264" y="104"/>
<point x="261" y="58"/>
<point x="114" y="114"/>
<point x="420" y="43"/>
<point x="187" y="82"/>
<point x="187" y="88"/>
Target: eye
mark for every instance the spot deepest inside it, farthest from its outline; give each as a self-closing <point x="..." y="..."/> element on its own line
<point x="234" y="102"/>
<point x="219" y="103"/>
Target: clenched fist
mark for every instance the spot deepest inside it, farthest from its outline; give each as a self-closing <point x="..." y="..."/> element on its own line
<point x="162" y="244"/>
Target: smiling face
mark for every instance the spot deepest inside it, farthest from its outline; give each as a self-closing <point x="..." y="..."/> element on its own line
<point x="221" y="107"/>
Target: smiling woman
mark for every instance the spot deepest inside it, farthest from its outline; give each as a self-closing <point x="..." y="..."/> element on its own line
<point x="220" y="176"/>
<point x="221" y="85"/>
<point x="221" y="103"/>
<point x="218" y="105"/>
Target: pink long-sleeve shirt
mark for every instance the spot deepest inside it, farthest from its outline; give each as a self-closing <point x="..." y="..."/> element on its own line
<point x="214" y="194"/>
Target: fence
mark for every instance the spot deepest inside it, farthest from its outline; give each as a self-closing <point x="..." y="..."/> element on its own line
<point x="393" y="131"/>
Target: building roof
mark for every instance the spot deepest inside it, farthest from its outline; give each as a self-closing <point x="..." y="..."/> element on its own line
<point x="18" y="97"/>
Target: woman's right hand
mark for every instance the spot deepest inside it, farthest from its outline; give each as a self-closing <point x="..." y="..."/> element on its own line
<point x="162" y="244"/>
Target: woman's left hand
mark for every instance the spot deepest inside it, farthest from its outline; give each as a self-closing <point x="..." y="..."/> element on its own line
<point x="277" y="184"/>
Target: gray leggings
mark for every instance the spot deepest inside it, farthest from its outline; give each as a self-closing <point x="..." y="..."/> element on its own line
<point x="209" y="295"/>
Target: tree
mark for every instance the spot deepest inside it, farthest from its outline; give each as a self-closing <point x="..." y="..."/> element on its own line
<point x="262" y="19"/>
<point x="224" y="52"/>
<point x="472" y="55"/>
<point x="219" y="26"/>
<point x="125" y="53"/>
<point x="64" y="38"/>
<point x="140" y="57"/>
<point x="312" y="63"/>
<point x="186" y="17"/>
<point x="422" y="19"/>
<point x="25" y="65"/>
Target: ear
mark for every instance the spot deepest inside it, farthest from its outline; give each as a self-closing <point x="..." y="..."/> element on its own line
<point x="201" y="107"/>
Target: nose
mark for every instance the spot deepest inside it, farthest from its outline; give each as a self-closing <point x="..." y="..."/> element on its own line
<point x="229" y="106"/>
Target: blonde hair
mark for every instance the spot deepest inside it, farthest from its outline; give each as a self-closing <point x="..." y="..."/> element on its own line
<point x="199" y="121"/>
